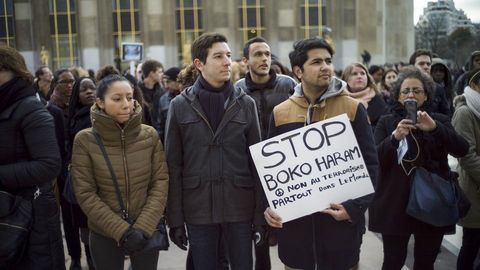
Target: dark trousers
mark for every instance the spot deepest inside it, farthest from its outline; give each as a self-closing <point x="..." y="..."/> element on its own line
<point x="72" y="231"/>
<point x="262" y="256"/>
<point x="222" y="260"/>
<point x="395" y="248"/>
<point x="205" y="239"/>
<point x="469" y="249"/>
<point x="106" y="254"/>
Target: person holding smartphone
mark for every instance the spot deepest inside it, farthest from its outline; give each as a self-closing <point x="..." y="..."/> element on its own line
<point x="405" y="140"/>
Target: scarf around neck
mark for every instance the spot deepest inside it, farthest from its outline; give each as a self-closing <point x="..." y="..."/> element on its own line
<point x="13" y="91"/>
<point x="363" y="96"/>
<point x="473" y="100"/>
<point x="256" y="86"/>
<point x="213" y="99"/>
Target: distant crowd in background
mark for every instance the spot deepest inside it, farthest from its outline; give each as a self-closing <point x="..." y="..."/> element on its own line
<point x="178" y="140"/>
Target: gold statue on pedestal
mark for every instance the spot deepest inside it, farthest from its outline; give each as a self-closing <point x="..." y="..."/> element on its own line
<point x="44" y="55"/>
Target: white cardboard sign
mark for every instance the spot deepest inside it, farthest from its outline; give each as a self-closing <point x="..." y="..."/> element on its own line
<point x="304" y="170"/>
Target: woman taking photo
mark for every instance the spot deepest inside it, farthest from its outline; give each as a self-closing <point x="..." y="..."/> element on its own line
<point x="360" y="86"/>
<point x="138" y="161"/>
<point x="29" y="162"/>
<point x="427" y="144"/>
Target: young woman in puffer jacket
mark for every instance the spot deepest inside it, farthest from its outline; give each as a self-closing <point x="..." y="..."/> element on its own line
<point x="138" y="160"/>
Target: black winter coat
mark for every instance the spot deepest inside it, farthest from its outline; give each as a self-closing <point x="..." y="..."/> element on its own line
<point x="80" y="120"/>
<point x="387" y="211"/>
<point x="376" y="108"/>
<point x="278" y="89"/>
<point x="30" y="157"/>
<point x="439" y="103"/>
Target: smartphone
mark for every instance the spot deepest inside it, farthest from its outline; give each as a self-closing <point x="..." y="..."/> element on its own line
<point x="411" y="107"/>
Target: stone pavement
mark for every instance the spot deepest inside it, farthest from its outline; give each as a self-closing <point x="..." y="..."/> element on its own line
<point x="371" y="255"/>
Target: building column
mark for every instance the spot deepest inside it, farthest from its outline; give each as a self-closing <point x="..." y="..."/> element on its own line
<point x="105" y="33"/>
<point x="154" y="25"/>
<point x="88" y="34"/>
<point x="32" y="20"/>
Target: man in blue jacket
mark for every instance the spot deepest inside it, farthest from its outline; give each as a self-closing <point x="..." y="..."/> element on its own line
<point x="214" y="189"/>
<point x="329" y="239"/>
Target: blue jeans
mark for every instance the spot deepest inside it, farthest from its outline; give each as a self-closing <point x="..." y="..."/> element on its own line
<point x="204" y="241"/>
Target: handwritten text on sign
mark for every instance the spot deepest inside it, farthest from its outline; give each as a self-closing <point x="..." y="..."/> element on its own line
<point x="304" y="170"/>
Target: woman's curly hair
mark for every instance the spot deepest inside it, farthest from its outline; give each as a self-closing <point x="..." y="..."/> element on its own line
<point x="12" y="60"/>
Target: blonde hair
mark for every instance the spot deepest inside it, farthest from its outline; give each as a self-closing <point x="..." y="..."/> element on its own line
<point x="348" y="72"/>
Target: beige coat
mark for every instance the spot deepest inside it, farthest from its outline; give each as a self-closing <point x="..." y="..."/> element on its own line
<point x="468" y="125"/>
<point x="138" y="160"/>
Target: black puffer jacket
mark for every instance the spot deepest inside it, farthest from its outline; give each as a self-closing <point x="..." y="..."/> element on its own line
<point x="29" y="158"/>
<point x="387" y="211"/>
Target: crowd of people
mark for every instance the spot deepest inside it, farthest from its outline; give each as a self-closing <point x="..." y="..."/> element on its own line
<point x="176" y="144"/>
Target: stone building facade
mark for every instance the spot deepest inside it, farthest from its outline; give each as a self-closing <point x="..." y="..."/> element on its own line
<point x="89" y="33"/>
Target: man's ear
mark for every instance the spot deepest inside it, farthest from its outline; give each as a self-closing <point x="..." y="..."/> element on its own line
<point x="245" y="61"/>
<point x="297" y="71"/>
<point x="100" y="103"/>
<point x="198" y="64"/>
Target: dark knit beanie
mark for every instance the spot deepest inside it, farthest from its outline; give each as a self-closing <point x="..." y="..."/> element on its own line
<point x="171" y="73"/>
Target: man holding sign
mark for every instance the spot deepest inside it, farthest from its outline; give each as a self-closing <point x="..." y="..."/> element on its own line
<point x="330" y="238"/>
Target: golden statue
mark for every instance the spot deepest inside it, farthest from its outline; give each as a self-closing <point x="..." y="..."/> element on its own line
<point x="44" y="56"/>
<point x="186" y="53"/>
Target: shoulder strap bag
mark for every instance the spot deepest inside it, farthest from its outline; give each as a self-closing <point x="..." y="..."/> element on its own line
<point x="16" y="217"/>
<point x="159" y="239"/>
<point x="433" y="199"/>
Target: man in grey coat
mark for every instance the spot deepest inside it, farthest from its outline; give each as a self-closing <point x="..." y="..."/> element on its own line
<point x="214" y="189"/>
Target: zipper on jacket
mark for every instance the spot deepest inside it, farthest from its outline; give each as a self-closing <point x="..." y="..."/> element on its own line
<point x="227" y="110"/>
<point x="230" y="107"/>
<point x="13" y="226"/>
<point x="204" y="119"/>
<point x="125" y="169"/>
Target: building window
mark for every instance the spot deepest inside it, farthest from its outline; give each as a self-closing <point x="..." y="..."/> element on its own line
<point x="126" y="25"/>
<point x="7" y="29"/>
<point x="252" y="14"/>
<point x="313" y="18"/>
<point x="63" y="31"/>
<point x="189" y="27"/>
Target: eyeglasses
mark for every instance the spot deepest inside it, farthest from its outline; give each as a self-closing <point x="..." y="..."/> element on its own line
<point x="415" y="91"/>
<point x="66" y="81"/>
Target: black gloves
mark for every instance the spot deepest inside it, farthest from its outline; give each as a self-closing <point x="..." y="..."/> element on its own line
<point x="134" y="240"/>
<point x="260" y="234"/>
<point x="178" y="235"/>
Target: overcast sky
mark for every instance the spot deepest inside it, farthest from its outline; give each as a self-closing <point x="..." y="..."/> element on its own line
<point x="470" y="7"/>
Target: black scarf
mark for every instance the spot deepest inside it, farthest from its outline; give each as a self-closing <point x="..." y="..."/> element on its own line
<point x="80" y="120"/>
<point x="13" y="91"/>
<point x="252" y="86"/>
<point x="212" y="99"/>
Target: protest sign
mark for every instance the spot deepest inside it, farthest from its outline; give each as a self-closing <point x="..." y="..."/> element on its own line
<point x="304" y="170"/>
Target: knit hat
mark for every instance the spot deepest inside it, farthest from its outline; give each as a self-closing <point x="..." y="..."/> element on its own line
<point x="171" y="73"/>
<point x="475" y="53"/>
